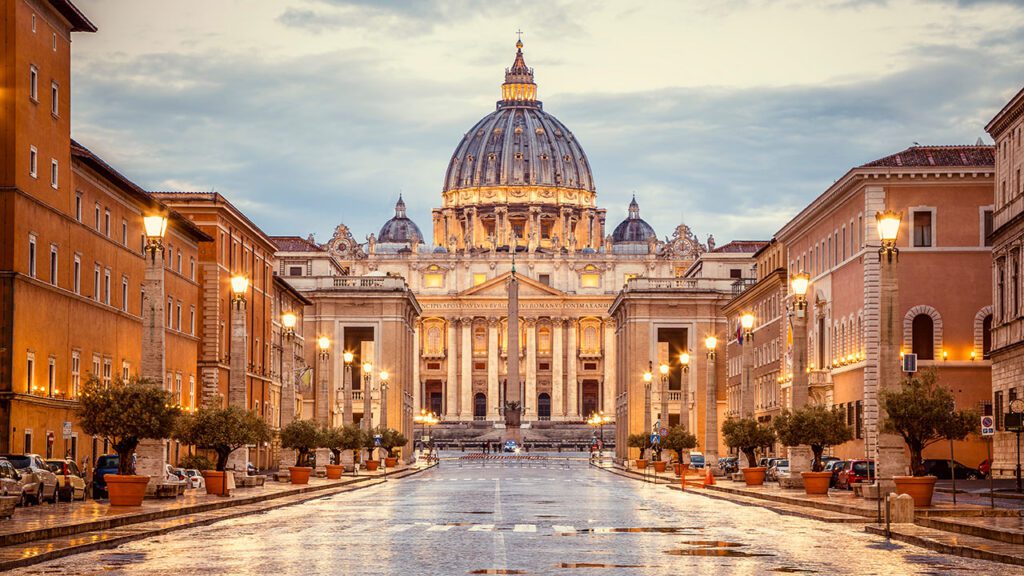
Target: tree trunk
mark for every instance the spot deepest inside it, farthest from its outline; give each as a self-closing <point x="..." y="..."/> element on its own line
<point x="222" y="458"/>
<point x="816" y="465"/>
<point x="751" y="458"/>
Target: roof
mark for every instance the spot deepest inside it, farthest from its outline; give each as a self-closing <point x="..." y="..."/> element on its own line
<point x="78" y="20"/>
<point x="210" y="199"/>
<point x="1010" y="112"/>
<point x="741" y="247"/>
<point x="946" y="156"/>
<point x="287" y="287"/>
<point x="184" y="224"/>
<point x="295" y="244"/>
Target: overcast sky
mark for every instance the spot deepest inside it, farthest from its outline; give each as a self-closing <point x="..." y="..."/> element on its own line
<point x="728" y="114"/>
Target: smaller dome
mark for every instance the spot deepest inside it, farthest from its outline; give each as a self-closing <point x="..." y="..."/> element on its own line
<point x="588" y="250"/>
<point x="400" y="229"/>
<point x="440" y="250"/>
<point x="633" y="228"/>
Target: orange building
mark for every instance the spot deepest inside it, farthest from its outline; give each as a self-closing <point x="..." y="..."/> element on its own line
<point x="71" y="258"/>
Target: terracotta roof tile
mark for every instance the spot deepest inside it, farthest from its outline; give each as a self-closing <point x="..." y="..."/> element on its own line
<point x="938" y="156"/>
<point x="741" y="246"/>
<point x="295" y="244"/>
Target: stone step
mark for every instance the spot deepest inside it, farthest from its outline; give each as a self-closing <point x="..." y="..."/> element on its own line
<point x="1003" y="529"/>
<point x="952" y="543"/>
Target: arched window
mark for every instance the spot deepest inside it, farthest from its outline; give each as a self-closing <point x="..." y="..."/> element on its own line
<point x="590" y="344"/>
<point x="986" y="337"/>
<point x="923" y="330"/>
<point x="544" y="406"/>
<point x="479" y="406"/>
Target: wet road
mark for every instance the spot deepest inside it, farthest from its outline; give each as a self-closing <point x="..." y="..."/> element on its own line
<point x="542" y="517"/>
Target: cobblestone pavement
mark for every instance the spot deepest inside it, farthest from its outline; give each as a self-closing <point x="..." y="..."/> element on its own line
<point x="529" y="517"/>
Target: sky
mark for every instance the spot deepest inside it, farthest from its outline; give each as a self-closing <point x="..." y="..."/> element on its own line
<point x="728" y="115"/>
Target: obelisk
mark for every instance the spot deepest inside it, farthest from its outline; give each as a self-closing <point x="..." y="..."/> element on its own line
<point x="513" y="399"/>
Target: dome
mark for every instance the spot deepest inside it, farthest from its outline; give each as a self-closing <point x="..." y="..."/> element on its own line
<point x="519" y="144"/>
<point x="400" y="229"/>
<point x="633" y="228"/>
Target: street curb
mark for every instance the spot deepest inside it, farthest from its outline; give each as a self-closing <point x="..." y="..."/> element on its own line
<point x="295" y="498"/>
<point x="955" y="550"/>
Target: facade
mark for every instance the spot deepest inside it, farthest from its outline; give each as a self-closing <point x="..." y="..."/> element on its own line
<point x="944" y="293"/>
<point x="1007" y="318"/>
<point x="518" y="191"/>
<point x="72" y="254"/>
<point x="287" y="364"/>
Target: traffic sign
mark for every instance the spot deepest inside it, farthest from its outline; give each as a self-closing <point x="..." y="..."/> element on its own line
<point x="655" y="439"/>
<point x="67" y="430"/>
<point x="909" y="362"/>
<point x="663" y="431"/>
<point x="988" y="426"/>
<point x="376" y="439"/>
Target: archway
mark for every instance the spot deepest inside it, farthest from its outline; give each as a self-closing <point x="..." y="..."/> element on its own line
<point x="589" y="397"/>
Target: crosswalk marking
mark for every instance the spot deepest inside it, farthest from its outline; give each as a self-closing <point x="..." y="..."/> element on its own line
<point x="482" y="528"/>
<point x="400" y="527"/>
<point x="564" y="529"/>
<point x="440" y="528"/>
<point x="525" y="528"/>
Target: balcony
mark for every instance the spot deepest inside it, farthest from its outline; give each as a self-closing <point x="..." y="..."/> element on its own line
<point x="680" y="284"/>
<point x="349" y="283"/>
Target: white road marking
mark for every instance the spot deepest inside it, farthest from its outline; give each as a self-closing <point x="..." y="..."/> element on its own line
<point x="525" y="528"/>
<point x="440" y="528"/>
<point x="482" y="528"/>
<point x="564" y="529"/>
<point x="400" y="527"/>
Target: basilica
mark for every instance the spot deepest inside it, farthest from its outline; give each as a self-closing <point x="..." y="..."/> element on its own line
<point x="518" y="191"/>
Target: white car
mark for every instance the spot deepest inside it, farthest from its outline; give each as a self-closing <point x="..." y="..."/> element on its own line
<point x="41" y="483"/>
<point x="195" y="479"/>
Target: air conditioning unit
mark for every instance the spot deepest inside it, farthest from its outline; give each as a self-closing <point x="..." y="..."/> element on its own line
<point x="910" y="363"/>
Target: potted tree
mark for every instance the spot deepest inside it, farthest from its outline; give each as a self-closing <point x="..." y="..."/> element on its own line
<point x="679" y="441"/>
<point x="818" y="427"/>
<point x="370" y="443"/>
<point x="352" y="439"/>
<point x="222" y="430"/>
<point x="747" y="435"/>
<point x="641" y="441"/>
<point x="921" y="411"/>
<point x="303" y="436"/>
<point x="390" y="440"/>
<point x="331" y="438"/>
<point x="123" y="414"/>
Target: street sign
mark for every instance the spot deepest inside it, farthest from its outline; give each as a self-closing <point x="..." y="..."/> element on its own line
<point x="910" y="363"/>
<point x="663" y="431"/>
<point x="655" y="439"/>
<point x="988" y="426"/>
<point x="1012" y="422"/>
<point x="376" y="439"/>
<point x="67" y="430"/>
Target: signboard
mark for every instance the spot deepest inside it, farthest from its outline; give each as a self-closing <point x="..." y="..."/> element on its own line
<point x="988" y="426"/>
<point x="67" y="430"/>
<point x="910" y="363"/>
<point x="663" y="431"/>
<point x="1013" y="422"/>
<point x="655" y="439"/>
<point x="376" y="440"/>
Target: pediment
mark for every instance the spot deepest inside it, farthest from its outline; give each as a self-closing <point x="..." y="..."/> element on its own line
<point x="497" y="288"/>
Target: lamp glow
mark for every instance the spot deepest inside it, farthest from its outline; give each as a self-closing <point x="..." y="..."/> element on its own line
<point x="799" y="283"/>
<point x="747" y="321"/>
<point x="155" y="226"/>
<point x="288" y="320"/>
<point x="384" y="374"/>
<point x="663" y="369"/>
<point x="367" y="367"/>
<point x="239" y="285"/>
<point x="710" y="342"/>
<point x="323" y="342"/>
<point x="888" y="226"/>
<point x="348" y="356"/>
<point x="684" y="358"/>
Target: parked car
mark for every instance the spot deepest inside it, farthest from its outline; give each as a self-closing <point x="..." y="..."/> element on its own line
<point x="780" y="466"/>
<point x="824" y="461"/>
<point x="697" y="460"/>
<point x="769" y="462"/>
<point x="833" y="466"/>
<point x="943" y="470"/>
<point x="42" y="484"/>
<point x="854" y="472"/>
<point x="12" y="482"/>
<point x="70" y="483"/>
<point x="729" y="464"/>
<point x="104" y="465"/>
<point x="195" y="478"/>
<point x="510" y="446"/>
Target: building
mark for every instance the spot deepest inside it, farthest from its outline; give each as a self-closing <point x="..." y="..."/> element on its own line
<point x="944" y="304"/>
<point x="288" y="360"/>
<point x="1007" y="240"/>
<point x="518" y="188"/>
<point x="72" y="255"/>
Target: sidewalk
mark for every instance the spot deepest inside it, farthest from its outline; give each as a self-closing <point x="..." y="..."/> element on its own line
<point x="42" y="533"/>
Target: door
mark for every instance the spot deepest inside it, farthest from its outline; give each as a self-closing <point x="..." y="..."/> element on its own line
<point x="479" y="406"/>
<point x="544" y="406"/>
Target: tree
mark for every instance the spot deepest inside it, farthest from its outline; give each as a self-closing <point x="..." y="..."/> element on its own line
<point x="331" y="438"/>
<point x="222" y="430"/>
<point x="352" y="438"/>
<point x="679" y="440"/>
<point x="125" y="413"/>
<point x="641" y="441"/>
<point x="816" y="426"/>
<point x="922" y="412"/>
<point x="303" y="436"/>
<point x="196" y="462"/>
<point x="391" y="439"/>
<point x="747" y="435"/>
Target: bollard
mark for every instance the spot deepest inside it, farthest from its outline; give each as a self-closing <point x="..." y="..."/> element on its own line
<point x="709" y="478"/>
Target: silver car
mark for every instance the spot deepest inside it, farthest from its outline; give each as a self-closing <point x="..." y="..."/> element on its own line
<point x="40" y="483"/>
<point x="12" y="483"/>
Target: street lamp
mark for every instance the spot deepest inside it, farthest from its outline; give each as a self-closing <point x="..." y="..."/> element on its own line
<point x="663" y="370"/>
<point x="239" y="286"/>
<point x="288" y="322"/>
<point x="323" y="344"/>
<point x="346" y="417"/>
<point x="711" y="409"/>
<point x="367" y="378"/>
<point x="384" y="398"/>
<point x="425" y="419"/>
<point x="598" y="420"/>
<point x="648" y="378"/>
<point x="799" y="284"/>
<point x="151" y="454"/>
<point x="890" y="459"/>
<point x="155" y="226"/>
<point x="799" y="392"/>
<point x="888" y="228"/>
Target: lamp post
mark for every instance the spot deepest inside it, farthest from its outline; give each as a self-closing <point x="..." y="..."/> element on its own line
<point x="236" y="382"/>
<point x="663" y="370"/>
<point x="346" y="417"/>
<point x="711" y="408"/>
<point x="598" y="420"/>
<point x="747" y="357"/>
<point x="150" y="453"/>
<point x="323" y="345"/>
<point x="799" y="456"/>
<point x="890" y="459"/>
<point x="367" y="380"/>
<point x="384" y="398"/>
<point x="289" y="320"/>
<point x="425" y="419"/>
<point x="685" y="409"/>
<point x="648" y="378"/>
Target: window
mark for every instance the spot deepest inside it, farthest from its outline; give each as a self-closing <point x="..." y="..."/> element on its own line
<point x="124" y="294"/>
<point x="986" y="226"/>
<point x="106" y="223"/>
<point x="178" y="315"/>
<point x="33" y="30"/>
<point x="191" y="268"/>
<point x="51" y="377"/>
<point x="124" y="232"/>
<point x="191" y="391"/>
<point x="28" y="442"/>
<point x="96" y="283"/>
<point x="32" y="256"/>
<point x="107" y="366"/>
<point x="96" y="365"/>
<point x="295" y="270"/>
<point x="922" y="222"/>
<point x="54" y="174"/>
<point x="30" y="372"/>
<point x="192" y="320"/>
<point x="1014" y="285"/>
<point x="479" y="279"/>
<point x="54" y="99"/>
<point x="735" y="273"/>
<point x="923" y="337"/>
<point x="545" y="279"/>
<point x="986" y="337"/>
<point x="53" y="265"/>
<point x="433" y="280"/>
<point x="126" y="369"/>
<point x="999" y="409"/>
<point x="97" y="216"/>
<point x="106" y="287"/>
<point x="33" y="83"/>
<point x="77" y="275"/>
<point x="179" y="261"/>
<point x="170" y="310"/>
<point x="76" y="373"/>
<point x="33" y="161"/>
<point x="78" y="206"/>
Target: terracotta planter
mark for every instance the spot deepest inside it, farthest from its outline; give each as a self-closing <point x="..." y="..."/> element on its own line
<point x="920" y="488"/>
<point x="754" y="476"/>
<point x="334" y="471"/>
<point x="816" y="482"/>
<point x="659" y="465"/>
<point x="299" y="474"/>
<point x="683" y="469"/>
<point x="678" y="469"/>
<point x="372" y="465"/>
<point x="126" y="490"/>
<point x="216" y="482"/>
<point x="641" y="464"/>
<point x="391" y="462"/>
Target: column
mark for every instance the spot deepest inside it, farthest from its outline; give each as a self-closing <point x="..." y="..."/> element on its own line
<point x="746" y="377"/>
<point x="417" y="400"/>
<point x="237" y="362"/>
<point x="150" y="453"/>
<point x="530" y="401"/>
<point x="287" y="457"/>
<point x="799" y="456"/>
<point x="711" y="416"/>
<point x="608" y="402"/>
<point x="492" y="369"/>
<point x="466" y="382"/>
<point x="323" y="397"/>
<point x="572" y="386"/>
<point x="451" y="385"/>
<point x="891" y="459"/>
<point x="557" y="379"/>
